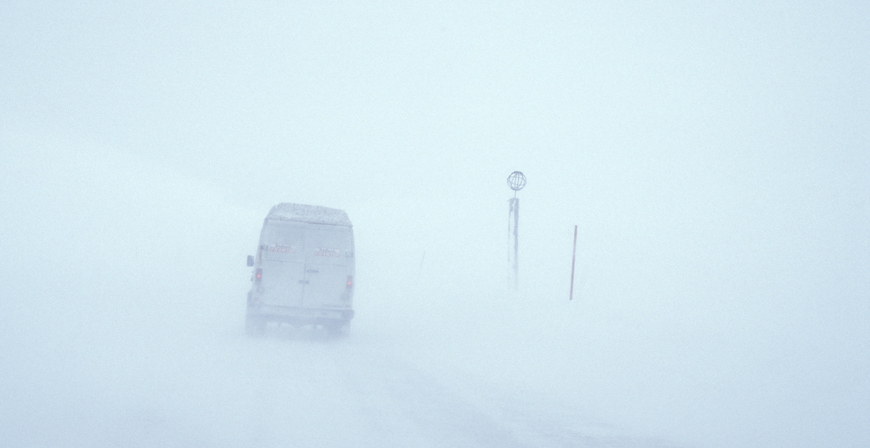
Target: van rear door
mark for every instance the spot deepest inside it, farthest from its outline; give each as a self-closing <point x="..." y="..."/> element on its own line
<point x="328" y="262"/>
<point x="282" y="260"/>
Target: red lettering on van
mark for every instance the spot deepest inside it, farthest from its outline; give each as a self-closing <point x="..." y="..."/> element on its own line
<point x="283" y="249"/>
<point x="321" y="252"/>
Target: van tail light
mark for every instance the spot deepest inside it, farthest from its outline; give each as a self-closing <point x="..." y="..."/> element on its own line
<point x="350" y="281"/>
<point x="259" y="274"/>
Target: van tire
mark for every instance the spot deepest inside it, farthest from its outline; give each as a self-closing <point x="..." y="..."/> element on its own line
<point x="338" y="330"/>
<point x="255" y="326"/>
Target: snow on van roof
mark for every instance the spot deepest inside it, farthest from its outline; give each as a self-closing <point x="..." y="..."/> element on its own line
<point x="309" y="213"/>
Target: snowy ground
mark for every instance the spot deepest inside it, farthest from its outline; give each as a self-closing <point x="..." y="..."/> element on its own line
<point x="124" y="385"/>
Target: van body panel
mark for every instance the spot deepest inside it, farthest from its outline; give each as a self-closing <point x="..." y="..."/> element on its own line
<point x="305" y="261"/>
<point x="327" y="265"/>
<point x="282" y="262"/>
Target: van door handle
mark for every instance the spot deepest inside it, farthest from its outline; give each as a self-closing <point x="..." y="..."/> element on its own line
<point x="313" y="271"/>
<point x="303" y="282"/>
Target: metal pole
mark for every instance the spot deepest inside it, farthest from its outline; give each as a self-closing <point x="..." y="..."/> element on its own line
<point x="513" y="240"/>
<point x="573" y="257"/>
<point x="516" y="208"/>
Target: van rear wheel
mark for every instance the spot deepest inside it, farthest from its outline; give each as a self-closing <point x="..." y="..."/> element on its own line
<point x="341" y="329"/>
<point x="255" y="326"/>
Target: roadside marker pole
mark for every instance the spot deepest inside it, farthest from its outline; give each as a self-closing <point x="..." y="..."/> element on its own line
<point x="517" y="180"/>
<point x="573" y="258"/>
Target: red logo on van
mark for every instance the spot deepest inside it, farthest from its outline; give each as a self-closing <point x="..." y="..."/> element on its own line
<point x="283" y="249"/>
<point x="321" y="252"/>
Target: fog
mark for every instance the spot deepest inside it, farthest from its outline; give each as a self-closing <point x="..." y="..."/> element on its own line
<point x="714" y="159"/>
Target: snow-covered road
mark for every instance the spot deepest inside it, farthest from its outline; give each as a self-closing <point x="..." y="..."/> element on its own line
<point x="187" y="384"/>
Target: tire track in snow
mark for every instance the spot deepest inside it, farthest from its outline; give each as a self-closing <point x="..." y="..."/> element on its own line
<point x="405" y="403"/>
<point x="409" y="406"/>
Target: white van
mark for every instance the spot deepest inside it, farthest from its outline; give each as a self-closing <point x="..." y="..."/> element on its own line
<point x="303" y="270"/>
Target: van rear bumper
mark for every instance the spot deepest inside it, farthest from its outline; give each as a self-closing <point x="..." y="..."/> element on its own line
<point x="300" y="315"/>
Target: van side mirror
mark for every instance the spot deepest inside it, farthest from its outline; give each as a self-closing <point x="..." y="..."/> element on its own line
<point x="250" y="260"/>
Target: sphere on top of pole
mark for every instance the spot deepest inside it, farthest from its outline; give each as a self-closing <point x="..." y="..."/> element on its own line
<point x="517" y="180"/>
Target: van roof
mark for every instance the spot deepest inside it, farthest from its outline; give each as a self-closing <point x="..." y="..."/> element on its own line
<point x="314" y="214"/>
